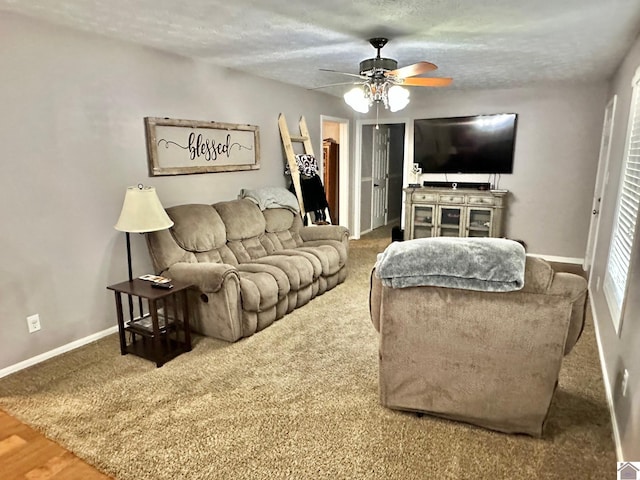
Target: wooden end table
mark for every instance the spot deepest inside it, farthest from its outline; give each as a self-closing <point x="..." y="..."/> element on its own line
<point x="161" y="334"/>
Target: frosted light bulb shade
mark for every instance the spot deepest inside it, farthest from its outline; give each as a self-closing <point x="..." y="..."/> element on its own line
<point x="398" y="98"/>
<point x="357" y="100"/>
<point x="142" y="212"/>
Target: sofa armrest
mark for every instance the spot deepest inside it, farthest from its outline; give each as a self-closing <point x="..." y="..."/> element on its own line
<point x="325" y="232"/>
<point x="574" y="288"/>
<point x="208" y="277"/>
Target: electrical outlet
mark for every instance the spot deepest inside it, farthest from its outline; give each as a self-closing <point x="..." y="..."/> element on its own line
<point x="625" y="382"/>
<point x="33" y="322"/>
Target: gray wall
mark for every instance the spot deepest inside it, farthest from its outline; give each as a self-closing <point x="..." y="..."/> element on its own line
<point x="72" y="139"/>
<point x="556" y="155"/>
<point x="623" y="350"/>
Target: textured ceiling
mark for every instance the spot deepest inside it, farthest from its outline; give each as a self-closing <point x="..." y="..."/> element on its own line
<point x="480" y="43"/>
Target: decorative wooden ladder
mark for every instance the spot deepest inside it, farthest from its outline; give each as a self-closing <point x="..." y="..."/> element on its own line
<point x="287" y="141"/>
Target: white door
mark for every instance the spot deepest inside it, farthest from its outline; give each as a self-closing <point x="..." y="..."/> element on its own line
<point x="380" y="174"/>
<point x="601" y="182"/>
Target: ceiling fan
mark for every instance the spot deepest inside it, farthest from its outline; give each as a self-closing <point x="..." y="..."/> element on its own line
<point x="381" y="81"/>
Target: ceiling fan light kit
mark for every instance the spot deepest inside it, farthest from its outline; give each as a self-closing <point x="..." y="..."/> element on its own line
<point x="381" y="81"/>
<point x="393" y="97"/>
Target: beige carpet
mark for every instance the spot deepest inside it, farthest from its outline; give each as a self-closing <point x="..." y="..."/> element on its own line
<point x="297" y="400"/>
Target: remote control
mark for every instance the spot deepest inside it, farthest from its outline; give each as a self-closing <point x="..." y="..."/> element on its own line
<point x="166" y="285"/>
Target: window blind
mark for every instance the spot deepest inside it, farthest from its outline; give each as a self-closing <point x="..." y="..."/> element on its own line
<point x="624" y="227"/>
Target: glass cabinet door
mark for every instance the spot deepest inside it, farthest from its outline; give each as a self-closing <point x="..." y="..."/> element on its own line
<point x="479" y="222"/>
<point x="422" y="221"/>
<point x="450" y="221"/>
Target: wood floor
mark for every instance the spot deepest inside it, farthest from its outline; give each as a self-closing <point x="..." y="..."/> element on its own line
<point x="27" y="455"/>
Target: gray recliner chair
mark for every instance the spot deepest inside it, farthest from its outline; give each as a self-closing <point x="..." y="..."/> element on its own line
<point x="489" y="358"/>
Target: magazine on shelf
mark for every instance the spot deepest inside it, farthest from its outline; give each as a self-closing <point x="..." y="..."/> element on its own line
<point x="145" y="324"/>
<point x="154" y="278"/>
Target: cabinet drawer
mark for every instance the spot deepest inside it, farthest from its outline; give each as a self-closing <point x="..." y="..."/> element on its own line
<point x="481" y="200"/>
<point x="424" y="197"/>
<point x="451" y="199"/>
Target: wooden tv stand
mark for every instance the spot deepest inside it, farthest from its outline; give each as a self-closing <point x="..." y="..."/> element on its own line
<point x="449" y="212"/>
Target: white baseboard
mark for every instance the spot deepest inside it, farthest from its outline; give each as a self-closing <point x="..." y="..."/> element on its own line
<point x="607" y="383"/>
<point x="553" y="258"/>
<point x="57" y="351"/>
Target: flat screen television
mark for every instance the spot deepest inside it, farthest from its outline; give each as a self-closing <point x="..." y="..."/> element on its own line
<point x="474" y="144"/>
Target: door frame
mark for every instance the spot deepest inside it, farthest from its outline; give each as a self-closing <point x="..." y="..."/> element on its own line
<point x="343" y="165"/>
<point x="602" y="179"/>
<point x="357" y="170"/>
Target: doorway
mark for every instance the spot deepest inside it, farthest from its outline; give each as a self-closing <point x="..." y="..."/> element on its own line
<point x="335" y="167"/>
<point x="382" y="159"/>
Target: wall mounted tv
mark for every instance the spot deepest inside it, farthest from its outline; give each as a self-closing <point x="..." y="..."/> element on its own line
<point x="475" y="144"/>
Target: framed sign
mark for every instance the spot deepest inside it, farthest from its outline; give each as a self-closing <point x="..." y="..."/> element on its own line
<point x="180" y="147"/>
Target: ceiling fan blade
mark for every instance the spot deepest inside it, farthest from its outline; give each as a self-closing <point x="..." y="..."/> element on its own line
<point x="334" y="85"/>
<point x="343" y="73"/>
<point x="413" y="70"/>
<point x="427" y="82"/>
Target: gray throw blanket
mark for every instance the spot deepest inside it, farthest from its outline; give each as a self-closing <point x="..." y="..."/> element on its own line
<point x="484" y="264"/>
<point x="272" y="197"/>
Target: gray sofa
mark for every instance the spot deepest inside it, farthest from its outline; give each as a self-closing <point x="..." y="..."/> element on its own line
<point x="249" y="267"/>
<point x="486" y="358"/>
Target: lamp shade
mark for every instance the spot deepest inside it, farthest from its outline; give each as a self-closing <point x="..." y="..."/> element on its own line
<point x="398" y="98"/>
<point x="357" y="99"/>
<point x="142" y="211"/>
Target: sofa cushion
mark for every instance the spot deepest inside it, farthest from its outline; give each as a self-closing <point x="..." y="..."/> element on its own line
<point x="219" y="255"/>
<point x="259" y="291"/>
<point x="278" y="219"/>
<point x="165" y="251"/>
<point x="248" y="249"/>
<point x="242" y="219"/>
<point x="282" y="281"/>
<point x="338" y="246"/>
<point x="315" y="262"/>
<point x="299" y="270"/>
<point x="282" y="227"/>
<point x="274" y="242"/>
<point x="328" y="256"/>
<point x="197" y="228"/>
